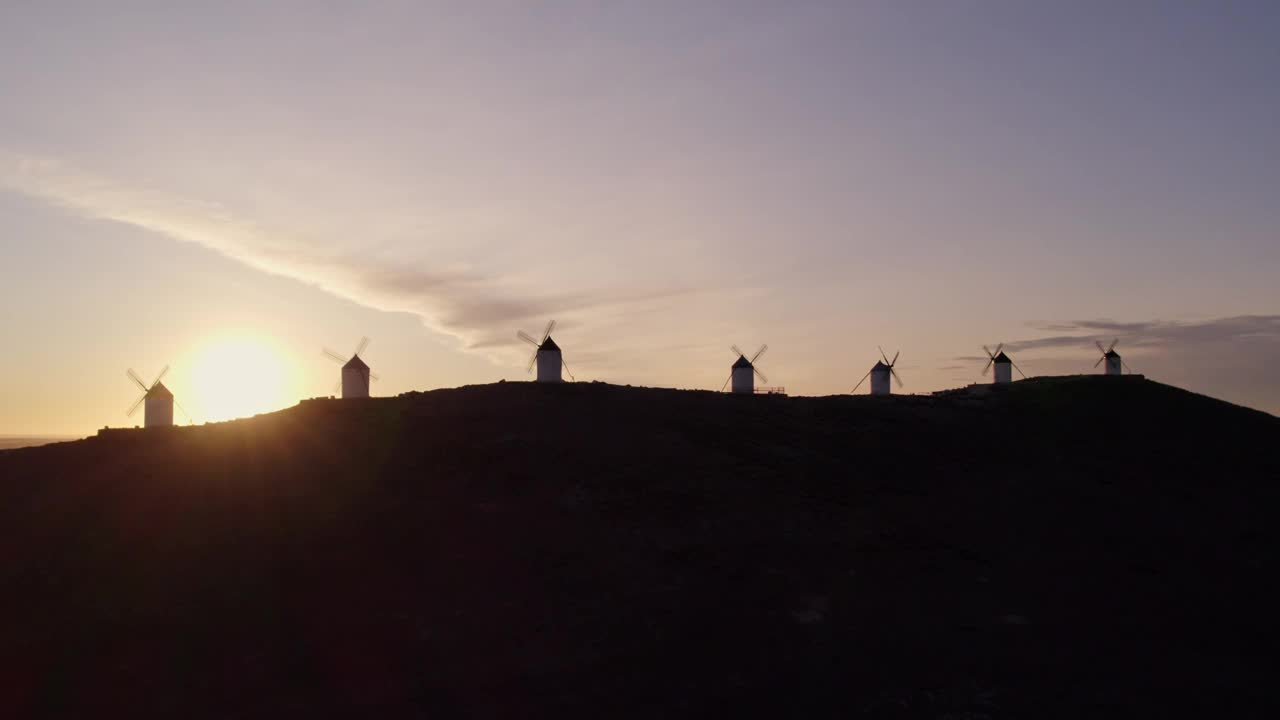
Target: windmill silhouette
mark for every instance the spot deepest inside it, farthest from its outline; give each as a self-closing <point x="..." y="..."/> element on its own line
<point x="546" y="355"/>
<point x="157" y="399"/>
<point x="880" y="374"/>
<point x="355" y="372"/>
<point x="744" y="372"/>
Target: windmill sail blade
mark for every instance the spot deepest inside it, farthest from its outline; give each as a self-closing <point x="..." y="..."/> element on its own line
<point x="134" y="408"/>
<point x="737" y="351"/>
<point x="987" y="367"/>
<point x="333" y="356"/>
<point x="726" y="382"/>
<point x="1126" y="367"/>
<point x="894" y="373"/>
<point x="566" y="369"/>
<point x="988" y="351"/>
<point x="184" y="412"/>
<point x="1104" y="352"/>
<point x="1113" y="344"/>
<point x="882" y="355"/>
<point x="551" y="325"/>
<point x="532" y="359"/>
<point x="373" y="377"/>
<point x="759" y="352"/>
<point x="337" y="387"/>
<point x="364" y="343"/>
<point x="1104" y="357"/>
<point x="998" y="349"/>
<point x="134" y="377"/>
<point x="163" y="372"/>
<point x="526" y="337"/>
<point x="864" y="379"/>
<point x="760" y="375"/>
<point x="895" y="358"/>
<point x="1015" y="367"/>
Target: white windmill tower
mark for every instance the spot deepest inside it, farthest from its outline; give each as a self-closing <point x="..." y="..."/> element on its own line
<point x="546" y="356"/>
<point x="157" y="399"/>
<point x="1115" y="363"/>
<point x="1003" y="366"/>
<point x="355" y="373"/>
<point x="744" y="371"/>
<point x="880" y="374"/>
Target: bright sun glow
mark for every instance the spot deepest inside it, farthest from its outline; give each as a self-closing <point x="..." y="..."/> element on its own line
<point x="237" y="377"/>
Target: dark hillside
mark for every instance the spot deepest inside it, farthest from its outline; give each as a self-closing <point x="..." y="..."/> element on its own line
<point x="1064" y="547"/>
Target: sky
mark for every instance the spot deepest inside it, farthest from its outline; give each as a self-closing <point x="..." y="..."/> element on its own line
<point x="227" y="188"/>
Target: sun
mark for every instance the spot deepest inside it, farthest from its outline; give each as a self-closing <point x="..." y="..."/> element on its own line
<point x="237" y="376"/>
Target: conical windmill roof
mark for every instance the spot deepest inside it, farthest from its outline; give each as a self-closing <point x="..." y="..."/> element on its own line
<point x="355" y="363"/>
<point x="1111" y="354"/>
<point x="1002" y="358"/>
<point x="879" y="367"/>
<point x="159" y="390"/>
<point x="741" y="362"/>
<point x="548" y="345"/>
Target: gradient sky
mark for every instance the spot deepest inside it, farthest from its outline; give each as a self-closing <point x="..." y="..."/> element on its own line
<point x="227" y="187"/>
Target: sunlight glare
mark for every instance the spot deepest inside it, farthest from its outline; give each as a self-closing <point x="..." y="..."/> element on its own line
<point x="235" y="377"/>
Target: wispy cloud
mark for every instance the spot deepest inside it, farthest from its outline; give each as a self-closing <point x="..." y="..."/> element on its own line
<point x="481" y="309"/>
<point x="1153" y="334"/>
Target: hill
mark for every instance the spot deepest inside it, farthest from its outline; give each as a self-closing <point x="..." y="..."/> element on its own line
<point x="1062" y="547"/>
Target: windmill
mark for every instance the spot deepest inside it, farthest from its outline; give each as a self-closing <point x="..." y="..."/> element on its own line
<point x="1114" y="362"/>
<point x="1001" y="364"/>
<point x="744" y="371"/>
<point x="880" y="373"/>
<point x="546" y="356"/>
<point x="158" y="401"/>
<point x="355" y="373"/>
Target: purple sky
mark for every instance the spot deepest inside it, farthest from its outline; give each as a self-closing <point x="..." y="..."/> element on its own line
<point x="180" y="183"/>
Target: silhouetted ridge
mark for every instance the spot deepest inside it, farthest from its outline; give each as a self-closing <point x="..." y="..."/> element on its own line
<point x="1057" y="547"/>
